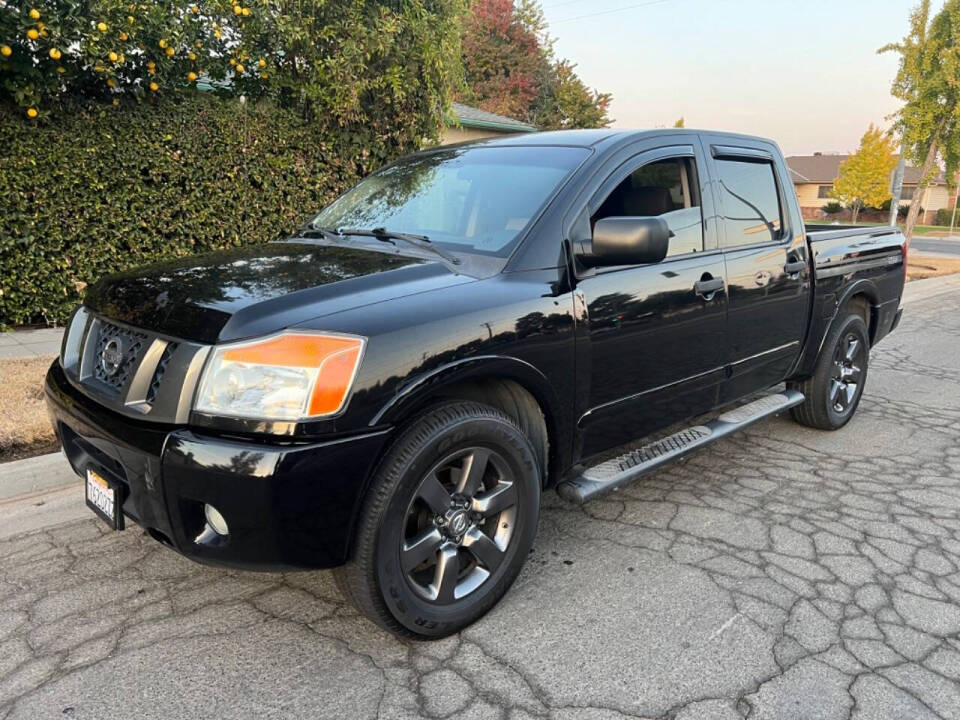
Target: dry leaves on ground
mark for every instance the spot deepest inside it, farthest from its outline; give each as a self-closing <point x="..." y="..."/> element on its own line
<point x="24" y="426"/>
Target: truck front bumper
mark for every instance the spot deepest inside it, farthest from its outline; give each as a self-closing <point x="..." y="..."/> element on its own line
<point x="287" y="506"/>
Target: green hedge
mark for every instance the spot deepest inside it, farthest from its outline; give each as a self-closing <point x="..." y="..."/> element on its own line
<point x="101" y="188"/>
<point x="944" y="216"/>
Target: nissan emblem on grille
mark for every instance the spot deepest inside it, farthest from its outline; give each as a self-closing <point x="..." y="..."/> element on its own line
<point x="112" y="356"/>
<point x="118" y="351"/>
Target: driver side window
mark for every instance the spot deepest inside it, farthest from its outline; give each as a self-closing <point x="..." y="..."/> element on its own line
<point x="666" y="188"/>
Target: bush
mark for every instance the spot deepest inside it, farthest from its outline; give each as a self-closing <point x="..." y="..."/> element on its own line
<point x="832" y="208"/>
<point x="106" y="188"/>
<point x="944" y="216"/>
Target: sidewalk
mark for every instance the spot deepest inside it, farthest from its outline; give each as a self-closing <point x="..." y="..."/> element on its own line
<point x="43" y="342"/>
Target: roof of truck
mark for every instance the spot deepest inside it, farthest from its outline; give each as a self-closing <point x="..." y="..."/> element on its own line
<point x="590" y="138"/>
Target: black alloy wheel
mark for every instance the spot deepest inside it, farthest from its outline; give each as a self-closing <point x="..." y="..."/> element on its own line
<point x="834" y="390"/>
<point x="447" y="522"/>
<point x="459" y="525"/>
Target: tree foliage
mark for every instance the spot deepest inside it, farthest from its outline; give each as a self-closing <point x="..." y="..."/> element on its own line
<point x="928" y="83"/>
<point x="510" y="68"/>
<point x="863" y="179"/>
<point x="387" y="68"/>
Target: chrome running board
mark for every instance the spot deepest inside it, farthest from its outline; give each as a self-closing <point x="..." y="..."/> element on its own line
<point x="612" y="474"/>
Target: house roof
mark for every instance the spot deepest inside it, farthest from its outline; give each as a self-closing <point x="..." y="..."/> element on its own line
<point x="823" y="169"/>
<point x="467" y="116"/>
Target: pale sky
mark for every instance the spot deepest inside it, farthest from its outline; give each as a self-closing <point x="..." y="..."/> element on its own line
<point x="805" y="74"/>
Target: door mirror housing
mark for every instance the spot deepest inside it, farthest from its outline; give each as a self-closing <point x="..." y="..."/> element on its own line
<point x="627" y="241"/>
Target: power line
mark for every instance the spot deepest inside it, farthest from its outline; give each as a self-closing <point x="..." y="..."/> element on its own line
<point x="608" y="12"/>
<point x="561" y="4"/>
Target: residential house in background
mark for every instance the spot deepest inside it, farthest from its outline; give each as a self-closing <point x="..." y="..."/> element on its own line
<point x="470" y="123"/>
<point x="813" y="177"/>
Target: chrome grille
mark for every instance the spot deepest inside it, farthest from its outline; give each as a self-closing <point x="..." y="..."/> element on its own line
<point x="145" y="375"/>
<point x="131" y="347"/>
<point x="161" y="369"/>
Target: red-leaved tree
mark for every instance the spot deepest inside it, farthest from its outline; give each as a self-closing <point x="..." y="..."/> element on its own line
<point x="510" y="69"/>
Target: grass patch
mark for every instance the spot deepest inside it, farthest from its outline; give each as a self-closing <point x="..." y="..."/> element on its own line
<point x="25" y="429"/>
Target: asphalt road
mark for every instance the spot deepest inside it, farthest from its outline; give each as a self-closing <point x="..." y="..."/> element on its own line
<point x="784" y="573"/>
<point x="936" y="245"/>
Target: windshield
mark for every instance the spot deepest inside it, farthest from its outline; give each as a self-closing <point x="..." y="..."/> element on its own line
<point x="470" y="199"/>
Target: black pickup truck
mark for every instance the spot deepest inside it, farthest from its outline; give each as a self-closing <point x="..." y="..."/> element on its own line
<point x="390" y="391"/>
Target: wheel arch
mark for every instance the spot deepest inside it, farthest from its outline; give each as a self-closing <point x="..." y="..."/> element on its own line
<point x="861" y="294"/>
<point x="511" y="385"/>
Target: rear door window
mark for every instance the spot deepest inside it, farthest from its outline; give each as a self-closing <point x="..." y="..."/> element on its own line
<point x="749" y="202"/>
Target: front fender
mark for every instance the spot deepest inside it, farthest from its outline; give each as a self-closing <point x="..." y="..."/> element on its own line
<point x="416" y="391"/>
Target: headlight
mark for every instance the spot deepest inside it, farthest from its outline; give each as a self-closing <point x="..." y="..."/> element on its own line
<point x="291" y="376"/>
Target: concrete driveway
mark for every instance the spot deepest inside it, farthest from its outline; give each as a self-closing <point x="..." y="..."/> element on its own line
<point x="784" y="573"/>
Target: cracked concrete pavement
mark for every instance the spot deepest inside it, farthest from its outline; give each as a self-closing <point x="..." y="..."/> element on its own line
<point x="783" y="573"/>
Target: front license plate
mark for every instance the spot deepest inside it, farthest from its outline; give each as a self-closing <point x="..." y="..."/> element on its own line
<point x="104" y="499"/>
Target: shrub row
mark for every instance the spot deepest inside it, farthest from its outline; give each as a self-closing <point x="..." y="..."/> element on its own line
<point x="102" y="188"/>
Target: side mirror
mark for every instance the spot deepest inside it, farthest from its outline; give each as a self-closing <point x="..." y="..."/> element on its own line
<point x="628" y="241"/>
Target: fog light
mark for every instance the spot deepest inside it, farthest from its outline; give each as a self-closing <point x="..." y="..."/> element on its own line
<point x="215" y="520"/>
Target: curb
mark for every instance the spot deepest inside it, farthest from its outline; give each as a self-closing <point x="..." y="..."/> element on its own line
<point x="931" y="287"/>
<point x="34" y="475"/>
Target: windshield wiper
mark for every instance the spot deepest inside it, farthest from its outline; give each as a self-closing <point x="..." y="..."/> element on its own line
<point x="384" y="235"/>
<point x="326" y="233"/>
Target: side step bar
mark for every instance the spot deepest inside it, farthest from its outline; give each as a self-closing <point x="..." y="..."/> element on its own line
<point x="612" y="474"/>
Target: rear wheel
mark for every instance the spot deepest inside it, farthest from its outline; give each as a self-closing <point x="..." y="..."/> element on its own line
<point x="447" y="523"/>
<point x="834" y="391"/>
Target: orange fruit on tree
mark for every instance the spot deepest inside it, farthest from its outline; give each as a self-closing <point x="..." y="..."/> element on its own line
<point x="6" y="50"/>
<point x="31" y="112"/>
<point x="34" y="14"/>
<point x="32" y="34"/>
<point x="54" y="54"/>
<point x="102" y="26"/>
<point x="154" y="86"/>
<point x="191" y="76"/>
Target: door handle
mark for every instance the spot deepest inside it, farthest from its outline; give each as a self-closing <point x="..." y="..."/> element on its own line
<point x="794" y="267"/>
<point x="706" y="286"/>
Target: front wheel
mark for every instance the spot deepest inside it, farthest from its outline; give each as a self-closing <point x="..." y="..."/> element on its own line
<point x="447" y="523"/>
<point x="834" y="391"/>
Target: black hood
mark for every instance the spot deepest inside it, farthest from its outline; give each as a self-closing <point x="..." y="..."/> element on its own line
<point x="251" y="291"/>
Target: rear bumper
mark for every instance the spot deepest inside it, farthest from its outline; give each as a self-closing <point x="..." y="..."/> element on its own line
<point x="896" y="319"/>
<point x="287" y="506"/>
<point x="888" y="317"/>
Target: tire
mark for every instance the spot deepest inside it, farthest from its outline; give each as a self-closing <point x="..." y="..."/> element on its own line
<point x="834" y="390"/>
<point x="446" y="524"/>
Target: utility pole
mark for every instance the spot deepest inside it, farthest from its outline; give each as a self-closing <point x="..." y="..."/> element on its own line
<point x="896" y="189"/>
<point x="956" y="197"/>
